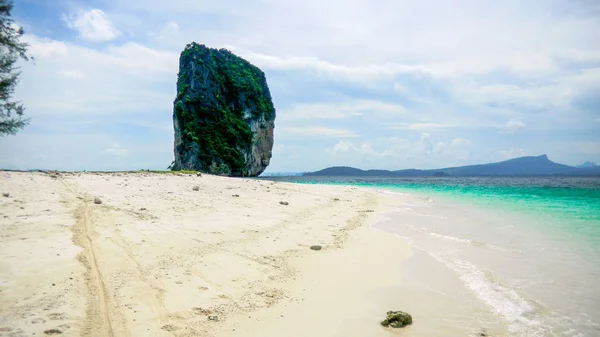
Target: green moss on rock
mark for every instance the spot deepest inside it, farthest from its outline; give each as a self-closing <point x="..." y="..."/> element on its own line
<point x="397" y="319"/>
<point x="223" y="114"/>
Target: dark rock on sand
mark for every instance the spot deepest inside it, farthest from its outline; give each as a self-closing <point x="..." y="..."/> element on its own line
<point x="397" y="319"/>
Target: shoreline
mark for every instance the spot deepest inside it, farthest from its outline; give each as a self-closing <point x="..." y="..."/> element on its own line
<point x="158" y="258"/>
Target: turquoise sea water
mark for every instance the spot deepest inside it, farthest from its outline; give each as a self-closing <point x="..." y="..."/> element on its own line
<point x="570" y="204"/>
<point x="529" y="248"/>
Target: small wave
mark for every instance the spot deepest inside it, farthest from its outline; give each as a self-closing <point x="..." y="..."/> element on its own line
<point x="404" y="209"/>
<point x="466" y="241"/>
<point x="449" y="238"/>
<point x="503" y="300"/>
<point x="393" y="193"/>
<point x="432" y="216"/>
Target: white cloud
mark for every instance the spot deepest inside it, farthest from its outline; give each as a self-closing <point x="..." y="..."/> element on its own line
<point x="320" y="131"/>
<point x="511" y="127"/>
<point x="513" y="153"/>
<point x="41" y="48"/>
<point x="168" y="35"/>
<point x="343" y="146"/>
<point x="527" y="96"/>
<point x="116" y="150"/>
<point x="347" y="109"/>
<point x="319" y="65"/>
<point x="427" y="126"/>
<point x="92" y="25"/>
<point x="363" y="149"/>
<point x="439" y="147"/>
<point x="395" y="153"/>
<point x="460" y="142"/>
<point x="125" y="78"/>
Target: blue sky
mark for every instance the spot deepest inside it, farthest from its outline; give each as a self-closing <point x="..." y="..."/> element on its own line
<point x="371" y="84"/>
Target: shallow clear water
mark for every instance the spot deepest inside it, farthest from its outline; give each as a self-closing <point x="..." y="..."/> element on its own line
<point x="529" y="248"/>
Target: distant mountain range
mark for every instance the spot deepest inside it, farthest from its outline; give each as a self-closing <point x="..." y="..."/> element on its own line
<point x="282" y="174"/>
<point x="523" y="166"/>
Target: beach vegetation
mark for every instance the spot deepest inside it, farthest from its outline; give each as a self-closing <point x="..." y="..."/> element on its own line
<point x="12" y="49"/>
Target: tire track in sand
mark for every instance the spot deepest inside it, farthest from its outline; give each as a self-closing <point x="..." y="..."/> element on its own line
<point x="97" y="321"/>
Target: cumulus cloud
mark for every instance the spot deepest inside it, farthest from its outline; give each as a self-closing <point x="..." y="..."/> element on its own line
<point x="512" y="126"/>
<point x="92" y="25"/>
<point x="343" y="146"/>
<point x="116" y="150"/>
<point x="460" y="142"/>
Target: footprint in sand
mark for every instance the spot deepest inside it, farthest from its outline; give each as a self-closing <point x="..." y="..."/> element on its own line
<point x="201" y="311"/>
<point x="169" y="327"/>
<point x="56" y="316"/>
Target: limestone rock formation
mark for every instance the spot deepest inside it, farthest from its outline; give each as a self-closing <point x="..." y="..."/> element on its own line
<point x="223" y="114"/>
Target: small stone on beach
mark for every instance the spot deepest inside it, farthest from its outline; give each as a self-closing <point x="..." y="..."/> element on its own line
<point x="198" y="174"/>
<point x="235" y="195"/>
<point x="397" y="319"/>
<point x="97" y="201"/>
<point x="196" y="188"/>
<point x="6" y="195"/>
<point x="213" y="318"/>
<point x="316" y="247"/>
<point x="285" y="203"/>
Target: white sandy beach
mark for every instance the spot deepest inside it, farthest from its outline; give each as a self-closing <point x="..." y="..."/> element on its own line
<point x="157" y="258"/>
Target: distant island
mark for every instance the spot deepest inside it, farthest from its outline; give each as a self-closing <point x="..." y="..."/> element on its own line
<point x="523" y="166"/>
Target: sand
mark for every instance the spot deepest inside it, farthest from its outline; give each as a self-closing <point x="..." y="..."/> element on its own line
<point x="157" y="258"/>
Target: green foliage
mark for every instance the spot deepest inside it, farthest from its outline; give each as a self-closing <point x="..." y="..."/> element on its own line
<point x="214" y="87"/>
<point x="11" y="50"/>
<point x="222" y="169"/>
